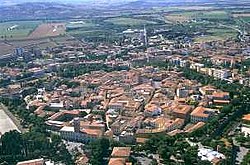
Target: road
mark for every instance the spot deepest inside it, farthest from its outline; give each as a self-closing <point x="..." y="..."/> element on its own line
<point x="6" y="123"/>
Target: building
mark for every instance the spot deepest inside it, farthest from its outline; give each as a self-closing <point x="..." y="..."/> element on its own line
<point x="195" y="127"/>
<point x="120" y="156"/>
<point x="82" y="131"/>
<point x="221" y="74"/>
<point x="221" y="98"/>
<point x="127" y="137"/>
<point x="152" y="110"/>
<point x="182" y="93"/>
<point x="118" y="161"/>
<point x="246" y="119"/>
<point x="201" y="114"/>
<point x="197" y="66"/>
<point x="182" y="111"/>
<point x="32" y="162"/>
<point x="121" y="152"/>
<point x="207" y="90"/>
<point x="210" y="155"/>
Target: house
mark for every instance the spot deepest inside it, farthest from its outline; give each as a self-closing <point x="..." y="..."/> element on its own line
<point x="118" y="161"/>
<point x="120" y="156"/>
<point x="221" y="98"/>
<point x="121" y="152"/>
<point x="207" y="90"/>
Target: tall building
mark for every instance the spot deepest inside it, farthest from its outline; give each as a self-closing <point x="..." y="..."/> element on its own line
<point x="77" y="124"/>
<point x="145" y="40"/>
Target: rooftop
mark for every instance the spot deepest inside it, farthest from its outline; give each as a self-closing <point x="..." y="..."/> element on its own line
<point x="117" y="161"/>
<point x="32" y="162"/>
<point x="121" y="152"/>
<point x="246" y="117"/>
<point x="201" y="112"/>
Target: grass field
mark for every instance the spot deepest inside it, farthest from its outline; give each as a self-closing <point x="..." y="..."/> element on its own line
<point x="129" y="21"/>
<point x="17" y="29"/>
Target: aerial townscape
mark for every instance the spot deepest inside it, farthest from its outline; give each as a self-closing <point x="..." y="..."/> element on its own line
<point x="125" y="82"/>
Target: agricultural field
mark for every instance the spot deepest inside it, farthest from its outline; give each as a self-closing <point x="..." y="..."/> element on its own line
<point x="199" y="15"/>
<point x="174" y="18"/>
<point x="48" y="30"/>
<point x="79" y="25"/>
<point x="17" y="29"/>
<point x="241" y="15"/>
<point x="217" y="34"/>
<point x="7" y="47"/>
<point x="128" y="21"/>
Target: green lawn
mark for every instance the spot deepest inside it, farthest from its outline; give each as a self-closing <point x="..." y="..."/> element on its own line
<point x="23" y="28"/>
<point x="129" y="21"/>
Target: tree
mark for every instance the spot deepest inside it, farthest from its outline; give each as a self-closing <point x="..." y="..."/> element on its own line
<point x="246" y="159"/>
<point x="83" y="114"/>
<point x="99" y="150"/>
<point x="12" y="143"/>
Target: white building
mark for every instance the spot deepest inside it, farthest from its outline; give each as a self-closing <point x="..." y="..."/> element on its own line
<point x="210" y="155"/>
<point x="221" y="74"/>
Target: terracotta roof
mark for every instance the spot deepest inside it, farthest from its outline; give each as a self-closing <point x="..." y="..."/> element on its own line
<point x="222" y="101"/>
<point x="246" y="117"/>
<point x="32" y="162"/>
<point x="117" y="161"/>
<point x="93" y="132"/>
<point x="184" y="109"/>
<point x="200" y="112"/>
<point x="121" y="152"/>
<point x="61" y="113"/>
<point x="141" y="140"/>
<point x="220" y="94"/>
<point x="195" y="127"/>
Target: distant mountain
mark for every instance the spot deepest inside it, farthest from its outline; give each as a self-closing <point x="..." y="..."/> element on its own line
<point x="107" y="2"/>
<point x="138" y="3"/>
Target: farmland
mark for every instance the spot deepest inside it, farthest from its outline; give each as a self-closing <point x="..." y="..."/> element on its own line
<point x="17" y="29"/>
<point x="79" y="25"/>
<point x="200" y="15"/>
<point x="7" y="47"/>
<point x="128" y="21"/>
<point x="202" y="22"/>
<point x="48" y="30"/>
